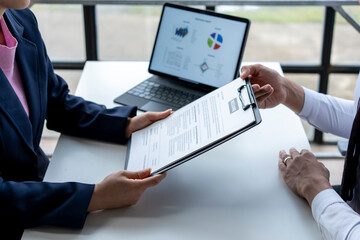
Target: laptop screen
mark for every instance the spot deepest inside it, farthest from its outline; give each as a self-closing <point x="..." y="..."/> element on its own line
<point x="198" y="46"/>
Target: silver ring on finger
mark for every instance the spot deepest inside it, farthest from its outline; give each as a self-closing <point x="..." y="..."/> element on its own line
<point x="286" y="159"/>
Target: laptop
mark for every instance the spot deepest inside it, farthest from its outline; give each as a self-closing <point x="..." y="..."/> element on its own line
<point x="195" y="52"/>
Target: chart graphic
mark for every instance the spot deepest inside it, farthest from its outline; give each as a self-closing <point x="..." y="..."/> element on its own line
<point x="204" y="67"/>
<point x="214" y="41"/>
<point x="181" y="32"/>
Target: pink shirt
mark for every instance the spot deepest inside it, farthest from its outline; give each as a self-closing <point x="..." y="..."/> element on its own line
<point x="8" y="64"/>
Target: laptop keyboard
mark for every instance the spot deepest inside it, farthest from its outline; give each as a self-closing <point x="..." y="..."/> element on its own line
<point x="163" y="94"/>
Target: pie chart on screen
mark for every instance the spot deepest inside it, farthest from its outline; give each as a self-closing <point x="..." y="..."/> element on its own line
<point x="215" y="40"/>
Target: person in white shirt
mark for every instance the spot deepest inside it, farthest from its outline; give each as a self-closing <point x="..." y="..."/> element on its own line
<point x="301" y="171"/>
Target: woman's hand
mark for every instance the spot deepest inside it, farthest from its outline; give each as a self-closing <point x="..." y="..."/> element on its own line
<point x="122" y="189"/>
<point x="144" y="120"/>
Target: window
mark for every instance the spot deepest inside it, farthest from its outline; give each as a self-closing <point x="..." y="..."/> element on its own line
<point x="62" y="29"/>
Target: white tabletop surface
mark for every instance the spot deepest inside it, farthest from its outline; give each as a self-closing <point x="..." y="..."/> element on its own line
<point x="234" y="191"/>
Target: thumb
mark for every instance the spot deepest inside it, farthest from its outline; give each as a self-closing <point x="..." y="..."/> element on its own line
<point x="153" y="180"/>
<point x="245" y="72"/>
<point x="155" y="116"/>
<point x="138" y="174"/>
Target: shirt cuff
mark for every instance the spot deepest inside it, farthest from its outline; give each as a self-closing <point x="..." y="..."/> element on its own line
<point x="309" y="102"/>
<point x="322" y="200"/>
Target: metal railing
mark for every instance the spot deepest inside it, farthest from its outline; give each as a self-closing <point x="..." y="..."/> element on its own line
<point x="324" y="68"/>
<point x="331" y="3"/>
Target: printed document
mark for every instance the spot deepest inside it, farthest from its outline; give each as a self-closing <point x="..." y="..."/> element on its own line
<point x="193" y="127"/>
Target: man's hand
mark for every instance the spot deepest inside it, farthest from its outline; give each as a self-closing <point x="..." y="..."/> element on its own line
<point x="267" y="85"/>
<point x="303" y="174"/>
<point x="144" y="120"/>
<point x="122" y="188"/>
<point x="272" y="89"/>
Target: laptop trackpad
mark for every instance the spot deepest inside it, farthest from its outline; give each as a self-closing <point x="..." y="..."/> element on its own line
<point x="155" y="107"/>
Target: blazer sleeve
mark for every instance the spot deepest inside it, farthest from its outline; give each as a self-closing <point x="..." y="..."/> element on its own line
<point x="60" y="204"/>
<point x="70" y="114"/>
<point x="73" y="115"/>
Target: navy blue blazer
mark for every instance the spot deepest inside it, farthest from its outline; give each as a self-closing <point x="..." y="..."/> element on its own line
<point x="25" y="200"/>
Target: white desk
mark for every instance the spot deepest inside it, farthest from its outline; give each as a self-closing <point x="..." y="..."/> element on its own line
<point x="234" y="191"/>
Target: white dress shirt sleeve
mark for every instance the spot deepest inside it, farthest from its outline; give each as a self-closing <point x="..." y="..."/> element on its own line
<point x="327" y="113"/>
<point x="335" y="218"/>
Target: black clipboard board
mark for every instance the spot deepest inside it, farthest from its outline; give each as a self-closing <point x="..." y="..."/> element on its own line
<point x="246" y="106"/>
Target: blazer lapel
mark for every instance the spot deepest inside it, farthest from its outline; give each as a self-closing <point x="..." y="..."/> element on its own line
<point x="12" y="107"/>
<point x="27" y="61"/>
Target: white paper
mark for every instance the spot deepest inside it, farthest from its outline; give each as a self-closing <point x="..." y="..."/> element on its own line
<point x="195" y="126"/>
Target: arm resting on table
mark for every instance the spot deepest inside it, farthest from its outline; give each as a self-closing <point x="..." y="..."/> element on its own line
<point x="335" y="218"/>
<point x="29" y="204"/>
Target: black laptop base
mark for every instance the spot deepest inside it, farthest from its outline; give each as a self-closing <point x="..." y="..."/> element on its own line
<point x="159" y="94"/>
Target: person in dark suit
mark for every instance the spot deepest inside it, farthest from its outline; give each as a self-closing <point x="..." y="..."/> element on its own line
<point x="336" y="212"/>
<point x="31" y="92"/>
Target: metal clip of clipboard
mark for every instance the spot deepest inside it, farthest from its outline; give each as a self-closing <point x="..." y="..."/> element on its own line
<point x="251" y="97"/>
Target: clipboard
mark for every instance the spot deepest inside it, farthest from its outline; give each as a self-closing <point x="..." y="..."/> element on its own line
<point x="248" y="103"/>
